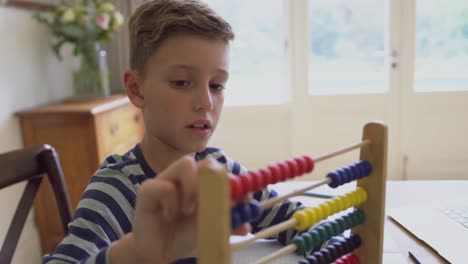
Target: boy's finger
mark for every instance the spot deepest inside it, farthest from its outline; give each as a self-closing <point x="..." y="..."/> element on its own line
<point x="158" y="195"/>
<point x="183" y="173"/>
<point x="242" y="230"/>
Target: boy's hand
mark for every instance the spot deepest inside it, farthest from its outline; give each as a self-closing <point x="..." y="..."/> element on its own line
<point x="164" y="227"/>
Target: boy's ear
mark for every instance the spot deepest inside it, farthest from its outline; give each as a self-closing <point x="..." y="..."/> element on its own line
<point x="133" y="88"/>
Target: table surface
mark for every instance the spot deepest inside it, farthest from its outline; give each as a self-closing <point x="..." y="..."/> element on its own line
<point x="398" y="241"/>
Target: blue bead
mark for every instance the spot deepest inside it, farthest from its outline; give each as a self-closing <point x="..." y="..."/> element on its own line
<point x="312" y="259"/>
<point x="366" y="167"/>
<point x="342" y="176"/>
<point x="357" y="170"/>
<point x="357" y="240"/>
<point x="320" y="257"/>
<point x="244" y="212"/>
<point x="341" y="250"/>
<point x="303" y="261"/>
<point x="333" y="251"/>
<point x="336" y="179"/>
<point x="349" y="174"/>
<point x="254" y="209"/>
<point x="369" y="167"/>
<point x="235" y="219"/>
<point x="327" y="255"/>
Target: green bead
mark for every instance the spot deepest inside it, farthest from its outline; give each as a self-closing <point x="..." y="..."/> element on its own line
<point x="341" y="224"/>
<point x="329" y="229"/>
<point x="316" y="237"/>
<point x="300" y="244"/>
<point x="309" y="241"/>
<point x="357" y="219"/>
<point x="361" y="214"/>
<point x="349" y="221"/>
<point x="323" y="233"/>
<point x="336" y="228"/>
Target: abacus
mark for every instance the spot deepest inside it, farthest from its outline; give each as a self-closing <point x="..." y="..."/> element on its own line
<point x="217" y="192"/>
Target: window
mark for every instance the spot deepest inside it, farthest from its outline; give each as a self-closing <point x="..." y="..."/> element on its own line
<point x="348" y="51"/>
<point x="258" y="74"/>
<point x="441" y="59"/>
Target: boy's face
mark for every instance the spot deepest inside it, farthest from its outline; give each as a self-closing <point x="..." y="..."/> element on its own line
<point x="183" y="91"/>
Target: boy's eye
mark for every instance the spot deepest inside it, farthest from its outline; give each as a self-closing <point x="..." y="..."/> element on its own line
<point x="217" y="87"/>
<point x="180" y="83"/>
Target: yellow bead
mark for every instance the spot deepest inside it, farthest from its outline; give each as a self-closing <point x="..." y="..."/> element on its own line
<point x="362" y="194"/>
<point x="302" y="220"/>
<point x="332" y="206"/>
<point x="345" y="200"/>
<point x="311" y="215"/>
<point x="325" y="210"/>
<point x="318" y="213"/>
<point x="338" y="205"/>
<point x="352" y="197"/>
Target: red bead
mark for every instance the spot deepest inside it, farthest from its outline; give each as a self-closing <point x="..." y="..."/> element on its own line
<point x="354" y="259"/>
<point x="301" y="164"/>
<point x="340" y="261"/>
<point x="285" y="171"/>
<point x="257" y="180"/>
<point x="275" y="173"/>
<point x="236" y="187"/>
<point x="267" y="176"/>
<point x="294" y="167"/>
<point x="309" y="163"/>
<point x="247" y="185"/>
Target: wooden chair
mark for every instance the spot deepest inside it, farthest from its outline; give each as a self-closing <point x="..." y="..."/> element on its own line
<point x="31" y="164"/>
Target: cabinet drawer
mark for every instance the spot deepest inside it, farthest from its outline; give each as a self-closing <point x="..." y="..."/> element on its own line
<point x="120" y="129"/>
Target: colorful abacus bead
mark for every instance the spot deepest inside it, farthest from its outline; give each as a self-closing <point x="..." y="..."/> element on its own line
<point x="349" y="173"/>
<point x="348" y="259"/>
<point x="334" y="250"/>
<point x="256" y="180"/>
<point x="314" y="238"/>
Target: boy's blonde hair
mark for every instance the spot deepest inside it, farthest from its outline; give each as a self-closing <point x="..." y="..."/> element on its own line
<point x="155" y="20"/>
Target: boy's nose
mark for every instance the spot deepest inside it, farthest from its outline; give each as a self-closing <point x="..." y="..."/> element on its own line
<point x="203" y="99"/>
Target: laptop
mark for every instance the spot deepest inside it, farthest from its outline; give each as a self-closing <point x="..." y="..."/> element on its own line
<point x="443" y="226"/>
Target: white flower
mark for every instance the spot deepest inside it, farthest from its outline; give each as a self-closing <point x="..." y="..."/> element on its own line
<point x="68" y="16"/>
<point x="102" y="21"/>
<point x="117" y="20"/>
<point x="48" y="18"/>
<point x="107" y="7"/>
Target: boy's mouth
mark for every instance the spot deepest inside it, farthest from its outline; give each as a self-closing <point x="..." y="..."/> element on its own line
<point x="201" y="125"/>
<point x="198" y="126"/>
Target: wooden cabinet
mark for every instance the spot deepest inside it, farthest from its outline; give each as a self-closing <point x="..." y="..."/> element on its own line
<point x="84" y="134"/>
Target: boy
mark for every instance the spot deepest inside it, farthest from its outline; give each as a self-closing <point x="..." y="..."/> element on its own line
<point x="140" y="207"/>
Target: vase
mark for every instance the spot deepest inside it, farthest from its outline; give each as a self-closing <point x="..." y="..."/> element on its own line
<point x="91" y="80"/>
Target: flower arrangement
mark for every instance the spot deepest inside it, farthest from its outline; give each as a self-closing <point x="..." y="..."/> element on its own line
<point x="86" y="22"/>
<point x="84" y="26"/>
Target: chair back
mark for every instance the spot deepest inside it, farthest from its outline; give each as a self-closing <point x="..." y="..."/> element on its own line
<point x="31" y="164"/>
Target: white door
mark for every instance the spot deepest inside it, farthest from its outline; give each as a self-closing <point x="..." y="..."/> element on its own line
<point x="350" y="77"/>
<point x="434" y="120"/>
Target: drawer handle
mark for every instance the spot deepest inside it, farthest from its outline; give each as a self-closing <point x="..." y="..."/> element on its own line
<point x="113" y="129"/>
<point x="136" y="118"/>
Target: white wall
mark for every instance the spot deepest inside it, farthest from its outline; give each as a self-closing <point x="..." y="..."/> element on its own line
<point x="29" y="75"/>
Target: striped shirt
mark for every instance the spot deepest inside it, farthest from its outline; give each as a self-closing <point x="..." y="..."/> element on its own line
<point x="105" y="211"/>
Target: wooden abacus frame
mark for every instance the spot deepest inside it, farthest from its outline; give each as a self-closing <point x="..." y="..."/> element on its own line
<point x="214" y="226"/>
